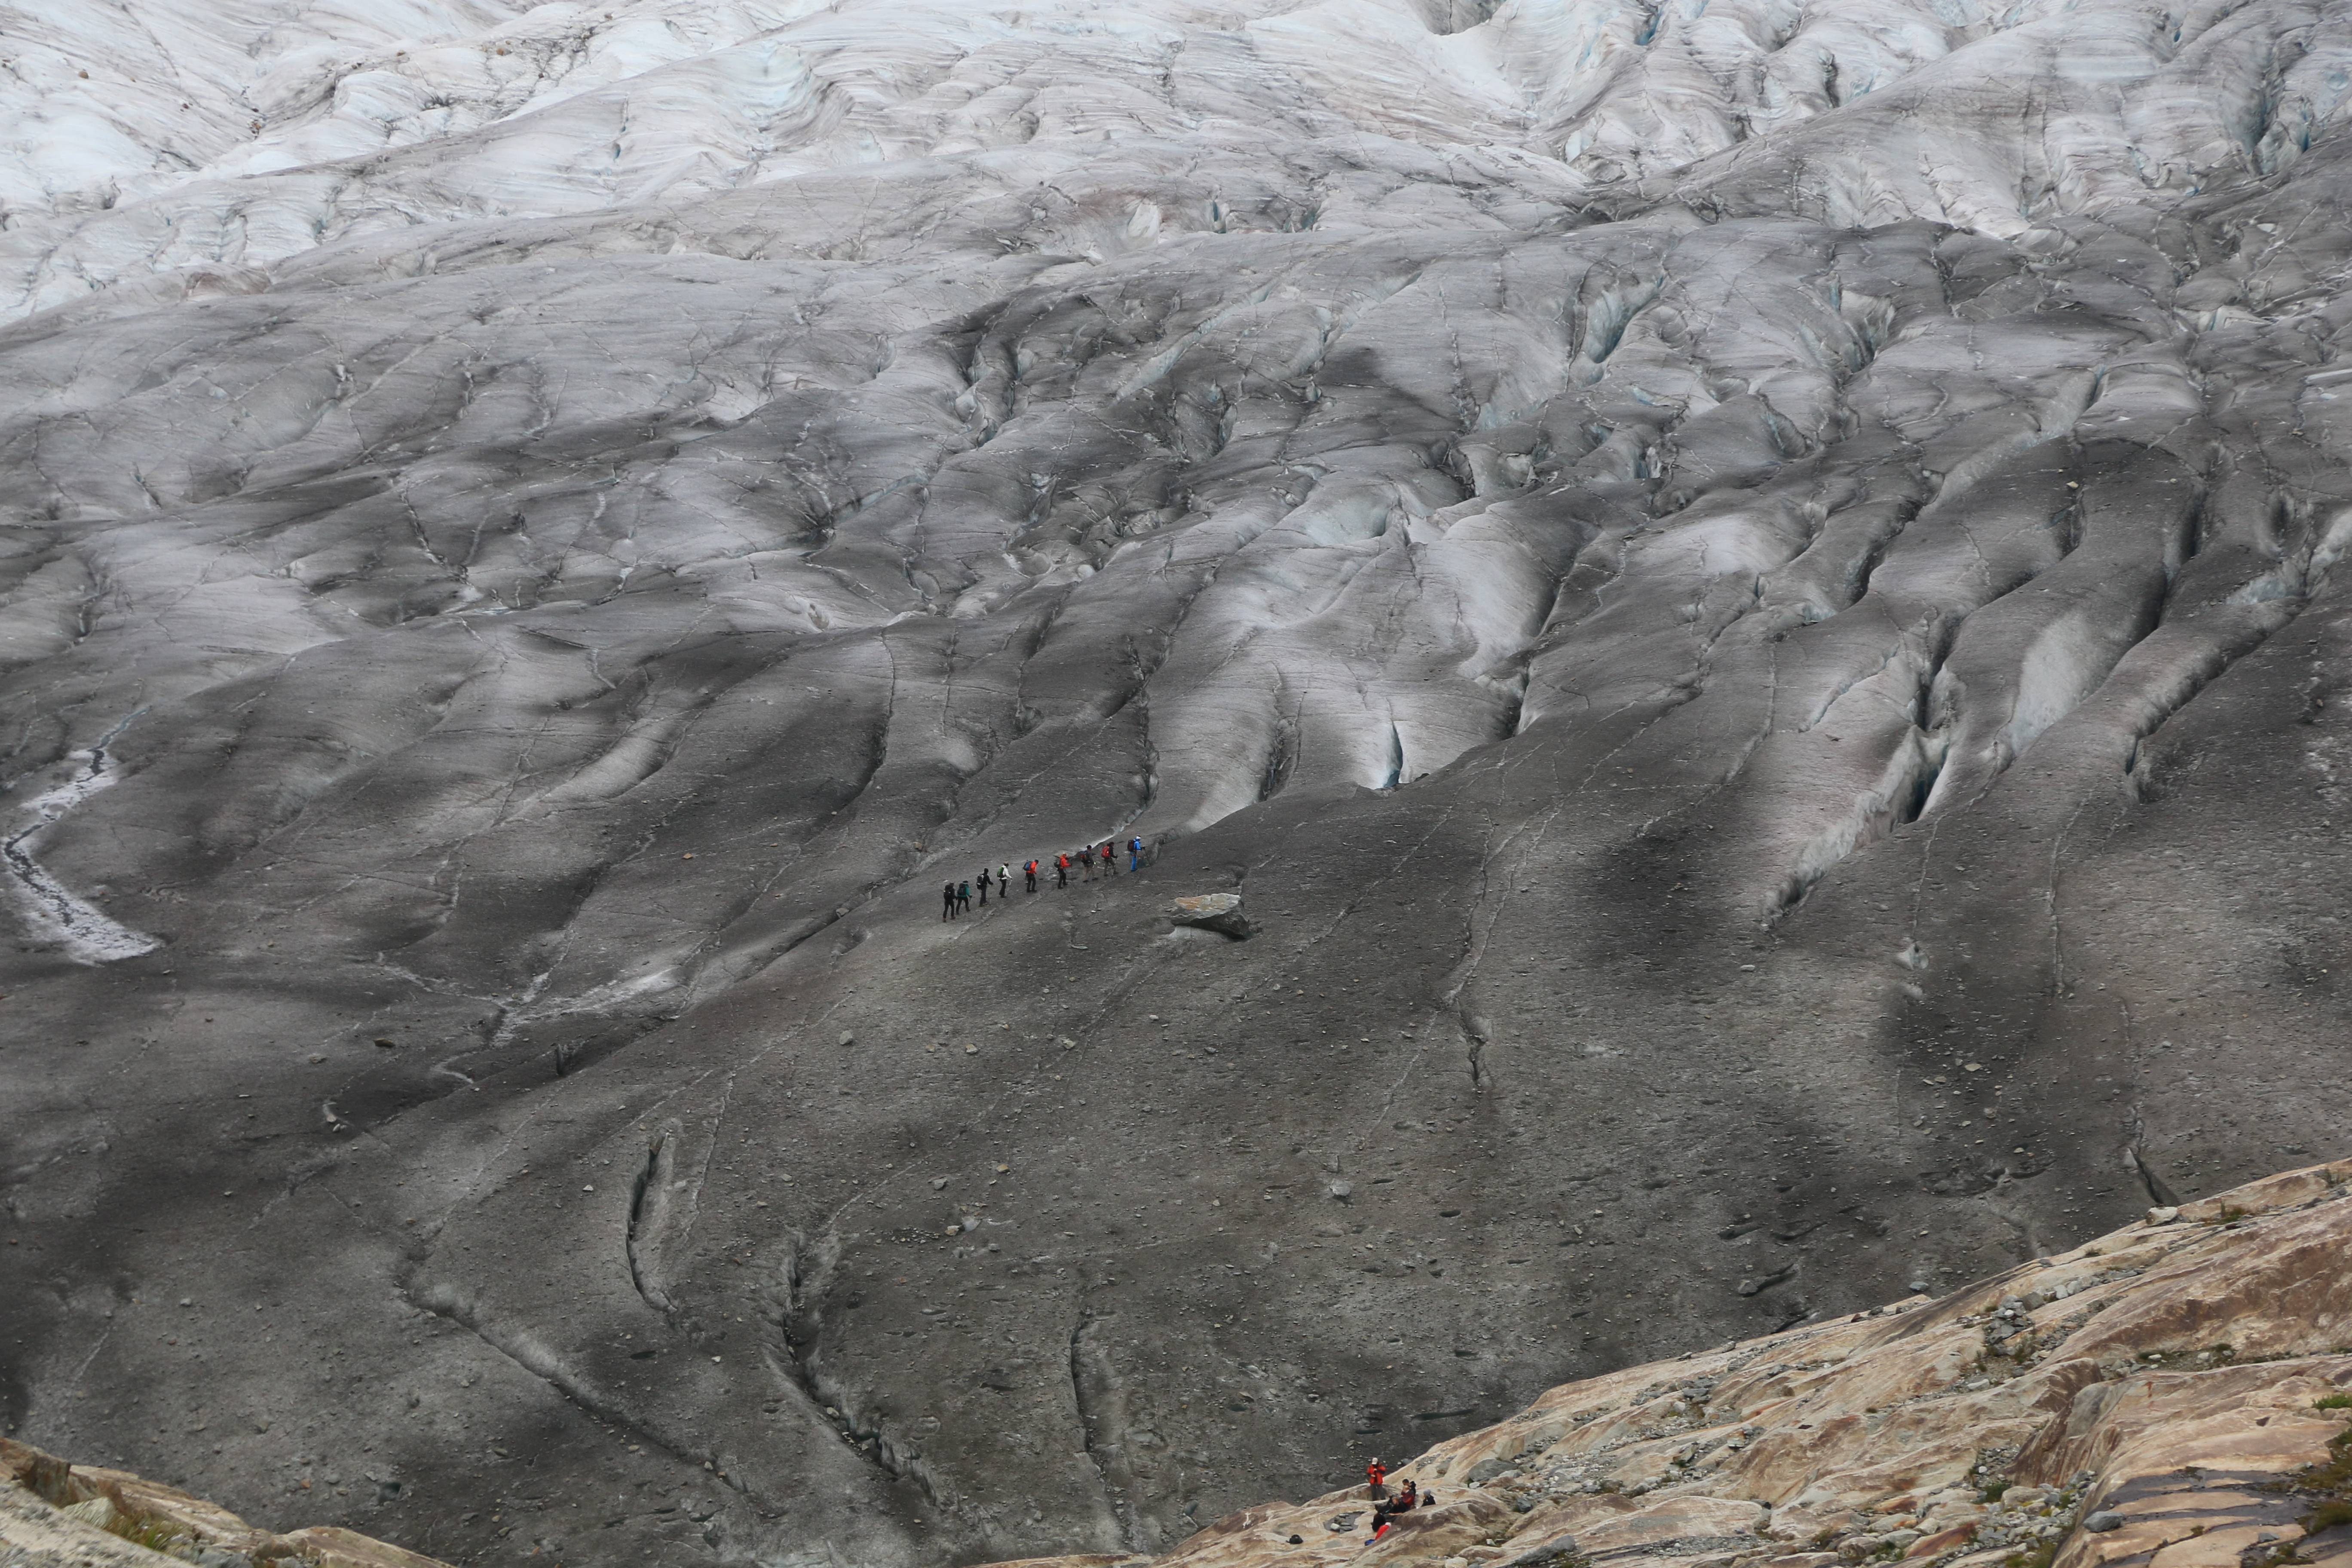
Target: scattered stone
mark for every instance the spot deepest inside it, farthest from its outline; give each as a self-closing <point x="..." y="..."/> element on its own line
<point x="848" y="1037"/>
<point x="2164" y="1215"/>
<point x="1342" y="1190"/>
<point x="2104" y="1520"/>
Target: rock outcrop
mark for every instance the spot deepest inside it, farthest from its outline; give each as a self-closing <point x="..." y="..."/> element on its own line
<point x="2173" y="1395"/>
<point x="53" y="1514"/>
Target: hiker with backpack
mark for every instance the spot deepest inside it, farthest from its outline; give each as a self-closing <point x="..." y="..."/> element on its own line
<point x="1404" y="1502"/>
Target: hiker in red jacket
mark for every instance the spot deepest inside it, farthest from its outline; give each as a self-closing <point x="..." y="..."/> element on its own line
<point x="1376" y="1475"/>
<point x="1386" y="1514"/>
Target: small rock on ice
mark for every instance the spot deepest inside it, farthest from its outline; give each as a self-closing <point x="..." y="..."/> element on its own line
<point x="1220" y="912"/>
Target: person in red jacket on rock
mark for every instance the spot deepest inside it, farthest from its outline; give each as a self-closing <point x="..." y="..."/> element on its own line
<point x="1386" y="1514"/>
<point x="1375" y="1477"/>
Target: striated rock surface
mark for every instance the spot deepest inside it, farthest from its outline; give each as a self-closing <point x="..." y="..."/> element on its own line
<point x="2176" y="1395"/>
<point x="53" y="1514"/>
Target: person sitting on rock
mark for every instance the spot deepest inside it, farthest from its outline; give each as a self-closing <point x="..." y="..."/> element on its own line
<point x="1386" y="1514"/>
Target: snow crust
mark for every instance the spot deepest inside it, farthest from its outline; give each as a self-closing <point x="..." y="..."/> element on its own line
<point x="139" y="138"/>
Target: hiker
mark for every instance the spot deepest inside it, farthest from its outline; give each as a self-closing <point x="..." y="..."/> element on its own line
<point x="948" y="913"/>
<point x="1109" y="860"/>
<point x="1003" y="880"/>
<point x="983" y="887"/>
<point x="1061" y="870"/>
<point x="1029" y="874"/>
<point x="1376" y="1475"/>
<point x="963" y="897"/>
<point x="1086" y="864"/>
<point x="1386" y="1514"/>
<point x="1134" y="853"/>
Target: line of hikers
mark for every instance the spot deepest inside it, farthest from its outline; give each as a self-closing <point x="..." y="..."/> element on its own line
<point x="956" y="896"/>
<point x="1385" y="1508"/>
